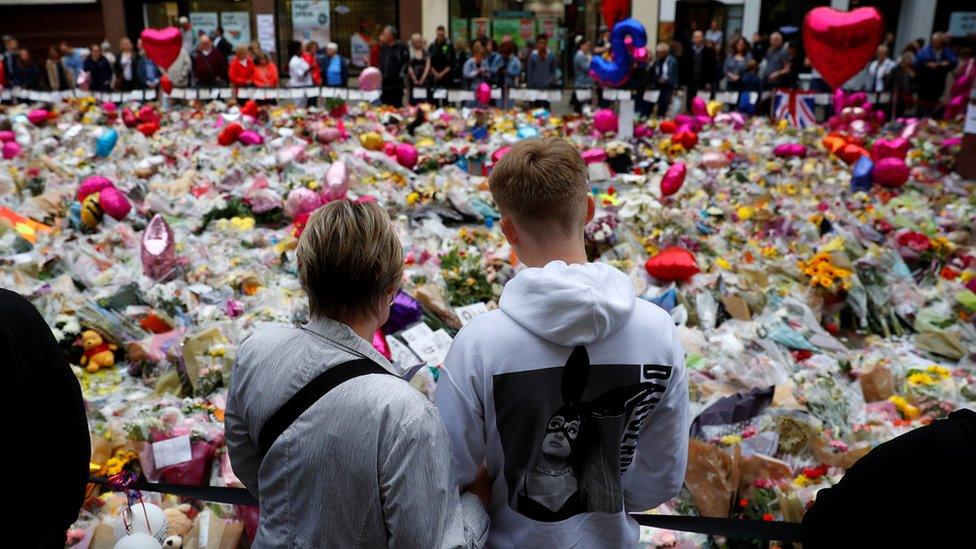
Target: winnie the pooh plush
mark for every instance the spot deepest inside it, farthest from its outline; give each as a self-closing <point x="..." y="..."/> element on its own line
<point x="98" y="353"/>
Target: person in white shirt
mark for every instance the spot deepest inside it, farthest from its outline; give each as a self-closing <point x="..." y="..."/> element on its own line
<point x="299" y="71"/>
<point x="878" y="71"/>
<point x="714" y="35"/>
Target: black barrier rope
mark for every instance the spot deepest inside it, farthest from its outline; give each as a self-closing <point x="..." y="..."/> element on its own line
<point x="733" y="528"/>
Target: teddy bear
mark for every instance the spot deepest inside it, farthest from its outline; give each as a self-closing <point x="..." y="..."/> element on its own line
<point x="98" y="352"/>
<point x="179" y="525"/>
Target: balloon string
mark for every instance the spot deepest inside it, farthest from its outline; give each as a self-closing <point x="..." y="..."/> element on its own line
<point x="122" y="482"/>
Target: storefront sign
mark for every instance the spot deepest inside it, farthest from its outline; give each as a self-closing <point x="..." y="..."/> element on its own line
<point x="266" y="31"/>
<point x="962" y="23"/>
<point x="237" y="27"/>
<point x="202" y="21"/>
<point x="310" y="20"/>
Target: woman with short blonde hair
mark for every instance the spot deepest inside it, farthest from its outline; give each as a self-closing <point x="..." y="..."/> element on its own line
<point x="339" y="450"/>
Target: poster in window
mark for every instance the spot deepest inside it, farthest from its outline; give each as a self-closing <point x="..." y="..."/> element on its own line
<point x="479" y="27"/>
<point x="526" y="31"/>
<point x="237" y="27"/>
<point x="202" y="21"/>
<point x="459" y="28"/>
<point x="359" y="48"/>
<point x="310" y="20"/>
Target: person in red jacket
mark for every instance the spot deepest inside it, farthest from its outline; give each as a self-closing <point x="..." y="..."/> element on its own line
<point x="265" y="72"/>
<point x="241" y="68"/>
<point x="308" y="54"/>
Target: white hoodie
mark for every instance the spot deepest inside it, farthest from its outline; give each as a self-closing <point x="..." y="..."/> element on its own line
<point x="570" y="447"/>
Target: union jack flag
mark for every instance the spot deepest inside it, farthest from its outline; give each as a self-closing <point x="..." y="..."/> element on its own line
<point x="797" y="106"/>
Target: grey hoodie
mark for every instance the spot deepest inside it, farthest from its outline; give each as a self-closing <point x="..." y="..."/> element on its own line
<point x="574" y="395"/>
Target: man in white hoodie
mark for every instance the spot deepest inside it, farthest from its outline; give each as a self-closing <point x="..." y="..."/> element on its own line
<point x="573" y="393"/>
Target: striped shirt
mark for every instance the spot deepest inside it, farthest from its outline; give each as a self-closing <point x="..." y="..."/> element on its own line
<point x="368" y="465"/>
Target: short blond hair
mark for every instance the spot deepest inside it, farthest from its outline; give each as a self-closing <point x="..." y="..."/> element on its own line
<point x="542" y="183"/>
<point x="349" y="259"/>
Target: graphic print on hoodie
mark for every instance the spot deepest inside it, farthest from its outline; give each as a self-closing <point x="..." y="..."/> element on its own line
<point x="574" y="395"/>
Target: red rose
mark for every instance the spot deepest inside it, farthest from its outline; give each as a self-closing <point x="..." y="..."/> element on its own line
<point x="916" y="241"/>
<point x="768" y="517"/>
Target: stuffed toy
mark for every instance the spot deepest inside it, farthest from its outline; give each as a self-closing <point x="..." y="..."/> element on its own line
<point x="179" y="525"/>
<point x="98" y="353"/>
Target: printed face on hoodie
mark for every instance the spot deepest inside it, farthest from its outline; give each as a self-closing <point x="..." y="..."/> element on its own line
<point x="561" y="434"/>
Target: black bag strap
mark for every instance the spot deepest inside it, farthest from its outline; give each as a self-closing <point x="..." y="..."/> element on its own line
<point x="310" y="394"/>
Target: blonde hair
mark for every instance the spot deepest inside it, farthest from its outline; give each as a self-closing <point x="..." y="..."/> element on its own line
<point x="542" y="183"/>
<point x="349" y="259"/>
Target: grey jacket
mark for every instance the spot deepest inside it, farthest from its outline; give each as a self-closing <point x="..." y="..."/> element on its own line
<point x="368" y="465"/>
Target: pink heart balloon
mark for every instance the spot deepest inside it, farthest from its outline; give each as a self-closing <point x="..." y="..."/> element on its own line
<point x="93" y="184"/>
<point x="483" y="93"/>
<point x="839" y="43"/>
<point x="890" y="172"/>
<point x="890" y="148"/>
<point x="699" y="107"/>
<point x="250" y="137"/>
<point x="162" y="45"/>
<point x="673" y="179"/>
<point x="158" y="249"/>
<point x="499" y="153"/>
<point x="114" y="203"/>
<point x="7" y="135"/>
<point x="790" y="150"/>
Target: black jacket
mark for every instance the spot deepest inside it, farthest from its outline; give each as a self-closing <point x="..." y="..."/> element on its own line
<point x="393" y="61"/>
<point x="101" y="74"/>
<point x="46" y="430"/>
<point x="708" y="72"/>
<point x="224" y="46"/>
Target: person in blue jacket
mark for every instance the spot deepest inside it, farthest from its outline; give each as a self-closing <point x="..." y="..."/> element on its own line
<point x="334" y="67"/>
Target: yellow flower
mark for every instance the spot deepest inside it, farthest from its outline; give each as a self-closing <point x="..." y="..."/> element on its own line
<point x="920" y="378"/>
<point x="729" y="440"/>
<point x="412" y="198"/>
<point x="745" y="212"/>
<point x="802" y="481"/>
<point x="721" y="262"/>
<point x="770" y="252"/>
<point x="904" y="408"/>
<point x="941" y="371"/>
<point x="242" y="223"/>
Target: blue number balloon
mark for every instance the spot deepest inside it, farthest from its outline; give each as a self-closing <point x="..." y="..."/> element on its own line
<point x="617" y="71"/>
<point x="106" y="142"/>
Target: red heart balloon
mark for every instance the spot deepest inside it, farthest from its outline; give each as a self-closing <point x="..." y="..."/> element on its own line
<point x="674" y="263"/>
<point x="229" y="134"/>
<point x="250" y="108"/>
<point x="851" y="153"/>
<point x="162" y="45"/>
<point x="840" y="43"/>
<point x="668" y="126"/>
<point x="148" y="128"/>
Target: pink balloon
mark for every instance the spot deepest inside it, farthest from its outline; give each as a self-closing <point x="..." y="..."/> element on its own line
<point x="890" y="148"/>
<point x="890" y="172"/>
<point x="336" y="182"/>
<point x="702" y="120"/>
<point x="406" y="155"/>
<point x="734" y="119"/>
<point x="605" y="120"/>
<point x="790" y="150"/>
<point x="114" y="203"/>
<point x="840" y="100"/>
<point x="483" y="93"/>
<point x="7" y="135"/>
<point x="250" y="137"/>
<point x="38" y="116"/>
<point x="499" y="153"/>
<point x="108" y="106"/>
<point x="594" y="155"/>
<point x="93" y="184"/>
<point x="11" y="149"/>
<point x="162" y="45"/>
<point x="880" y="117"/>
<point x="158" y="249"/>
<point x="301" y="200"/>
<point x="673" y="179"/>
<point x="867" y="107"/>
<point x="698" y="106"/>
<point x="839" y="43"/>
<point x="641" y="131"/>
<point x="857" y="99"/>
<point x="370" y="79"/>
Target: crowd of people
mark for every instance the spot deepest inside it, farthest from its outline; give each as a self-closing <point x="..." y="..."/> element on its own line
<point x="918" y="78"/>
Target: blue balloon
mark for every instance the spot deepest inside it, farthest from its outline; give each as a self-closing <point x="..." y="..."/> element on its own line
<point x="861" y="175"/>
<point x="617" y="71"/>
<point x="106" y="142"/>
<point x="527" y="132"/>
